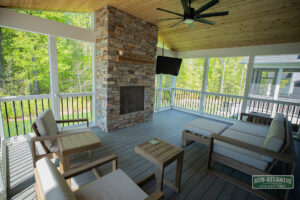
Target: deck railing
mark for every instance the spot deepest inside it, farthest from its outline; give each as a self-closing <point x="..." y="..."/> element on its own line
<point x="222" y="105"/>
<point x="18" y="113"/>
<point x="291" y="110"/>
<point x="187" y="99"/>
<point x="230" y="106"/>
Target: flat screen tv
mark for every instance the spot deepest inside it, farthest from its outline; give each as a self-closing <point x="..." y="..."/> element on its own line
<point x="168" y="65"/>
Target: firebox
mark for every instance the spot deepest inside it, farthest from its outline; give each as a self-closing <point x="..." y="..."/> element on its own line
<point x="131" y="99"/>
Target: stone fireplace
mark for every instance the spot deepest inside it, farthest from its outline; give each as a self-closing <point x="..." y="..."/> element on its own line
<point x="138" y="38"/>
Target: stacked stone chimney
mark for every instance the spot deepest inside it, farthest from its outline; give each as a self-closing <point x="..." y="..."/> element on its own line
<point x="118" y="30"/>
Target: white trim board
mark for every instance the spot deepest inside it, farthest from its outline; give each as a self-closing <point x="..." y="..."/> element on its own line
<point x="272" y="49"/>
<point x="20" y="21"/>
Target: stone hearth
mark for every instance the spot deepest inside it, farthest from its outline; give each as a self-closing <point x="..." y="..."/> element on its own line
<point x="118" y="30"/>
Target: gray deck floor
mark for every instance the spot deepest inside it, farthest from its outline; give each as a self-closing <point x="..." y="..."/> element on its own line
<point x="196" y="182"/>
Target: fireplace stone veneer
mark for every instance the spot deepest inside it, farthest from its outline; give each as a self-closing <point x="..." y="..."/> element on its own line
<point x="117" y="30"/>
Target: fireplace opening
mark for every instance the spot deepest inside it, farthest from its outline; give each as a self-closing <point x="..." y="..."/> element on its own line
<point x="131" y="99"/>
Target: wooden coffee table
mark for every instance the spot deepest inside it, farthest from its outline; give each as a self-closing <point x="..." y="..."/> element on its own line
<point x="162" y="154"/>
<point x="73" y="144"/>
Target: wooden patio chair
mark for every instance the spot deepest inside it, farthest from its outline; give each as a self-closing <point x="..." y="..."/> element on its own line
<point x="50" y="184"/>
<point x="47" y="132"/>
<point x="285" y="155"/>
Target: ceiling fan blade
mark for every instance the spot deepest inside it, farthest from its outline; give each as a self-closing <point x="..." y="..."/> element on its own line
<point x="205" y="21"/>
<point x="212" y="14"/>
<point x="176" y="23"/>
<point x="166" y="19"/>
<point x="207" y="6"/>
<point x="192" y="26"/>
<point x="171" y="12"/>
<point x="185" y="6"/>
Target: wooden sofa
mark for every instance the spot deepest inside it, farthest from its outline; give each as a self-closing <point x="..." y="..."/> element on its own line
<point x="50" y="184"/>
<point x="254" y="150"/>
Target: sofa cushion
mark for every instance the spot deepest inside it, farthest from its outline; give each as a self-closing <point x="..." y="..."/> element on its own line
<point x="240" y="154"/>
<point x="276" y="135"/>
<point x="46" y="125"/>
<point x="115" y="185"/>
<point x="250" y="128"/>
<point x="205" y="127"/>
<point x="52" y="183"/>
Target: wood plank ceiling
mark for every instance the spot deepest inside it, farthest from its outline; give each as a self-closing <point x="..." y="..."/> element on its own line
<point x="250" y="22"/>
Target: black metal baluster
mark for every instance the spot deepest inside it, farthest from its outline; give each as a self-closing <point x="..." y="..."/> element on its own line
<point x="91" y="108"/>
<point x="29" y="110"/>
<point x="277" y="108"/>
<point x="73" y="110"/>
<point x="21" y="104"/>
<point x="82" y="106"/>
<point x="287" y="113"/>
<point x="36" y="109"/>
<point x="16" y="123"/>
<point x="7" y="120"/>
<point x="68" y="110"/>
<point x="86" y="107"/>
<point x="62" y="110"/>
<point x="49" y="105"/>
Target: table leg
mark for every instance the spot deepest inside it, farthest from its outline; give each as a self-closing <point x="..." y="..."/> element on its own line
<point x="159" y="178"/>
<point x="178" y="171"/>
<point x="64" y="165"/>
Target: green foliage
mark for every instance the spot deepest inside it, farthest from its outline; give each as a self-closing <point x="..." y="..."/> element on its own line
<point x="227" y="80"/>
<point x="190" y="74"/>
<point x="226" y="75"/>
<point x="26" y="62"/>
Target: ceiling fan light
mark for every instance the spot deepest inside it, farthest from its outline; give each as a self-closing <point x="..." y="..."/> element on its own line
<point x="188" y="21"/>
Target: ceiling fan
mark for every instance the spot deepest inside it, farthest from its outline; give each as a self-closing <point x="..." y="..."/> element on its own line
<point x="192" y="15"/>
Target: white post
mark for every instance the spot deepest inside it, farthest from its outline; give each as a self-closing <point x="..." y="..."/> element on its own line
<point x="248" y="82"/>
<point x="94" y="102"/>
<point x="204" y="84"/>
<point x="159" y="84"/>
<point x="53" y="76"/>
<point x="1" y="124"/>
<point x="173" y="86"/>
<point x="277" y="86"/>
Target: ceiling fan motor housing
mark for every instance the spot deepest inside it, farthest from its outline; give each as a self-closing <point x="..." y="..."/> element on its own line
<point x="188" y="19"/>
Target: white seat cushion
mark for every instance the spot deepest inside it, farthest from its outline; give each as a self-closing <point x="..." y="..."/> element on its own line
<point x="205" y="127"/>
<point x="47" y="126"/>
<point x="53" y="184"/>
<point x="276" y="135"/>
<point x="115" y="185"/>
<point x="240" y="154"/>
<point x="250" y="128"/>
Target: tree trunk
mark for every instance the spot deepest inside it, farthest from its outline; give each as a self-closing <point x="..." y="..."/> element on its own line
<point x="36" y="84"/>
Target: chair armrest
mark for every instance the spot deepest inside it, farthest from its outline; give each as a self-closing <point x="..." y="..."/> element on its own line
<point x="157" y="195"/>
<point x="92" y="165"/>
<point x="73" y="120"/>
<point x="52" y="137"/>
<point x="279" y="156"/>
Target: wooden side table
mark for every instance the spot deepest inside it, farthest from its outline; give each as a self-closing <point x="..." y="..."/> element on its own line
<point x="73" y="144"/>
<point x="162" y="154"/>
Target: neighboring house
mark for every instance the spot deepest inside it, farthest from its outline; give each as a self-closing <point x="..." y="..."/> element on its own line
<point x="276" y="77"/>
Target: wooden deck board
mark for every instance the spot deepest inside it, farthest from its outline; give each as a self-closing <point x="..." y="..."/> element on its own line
<point x="196" y="183"/>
